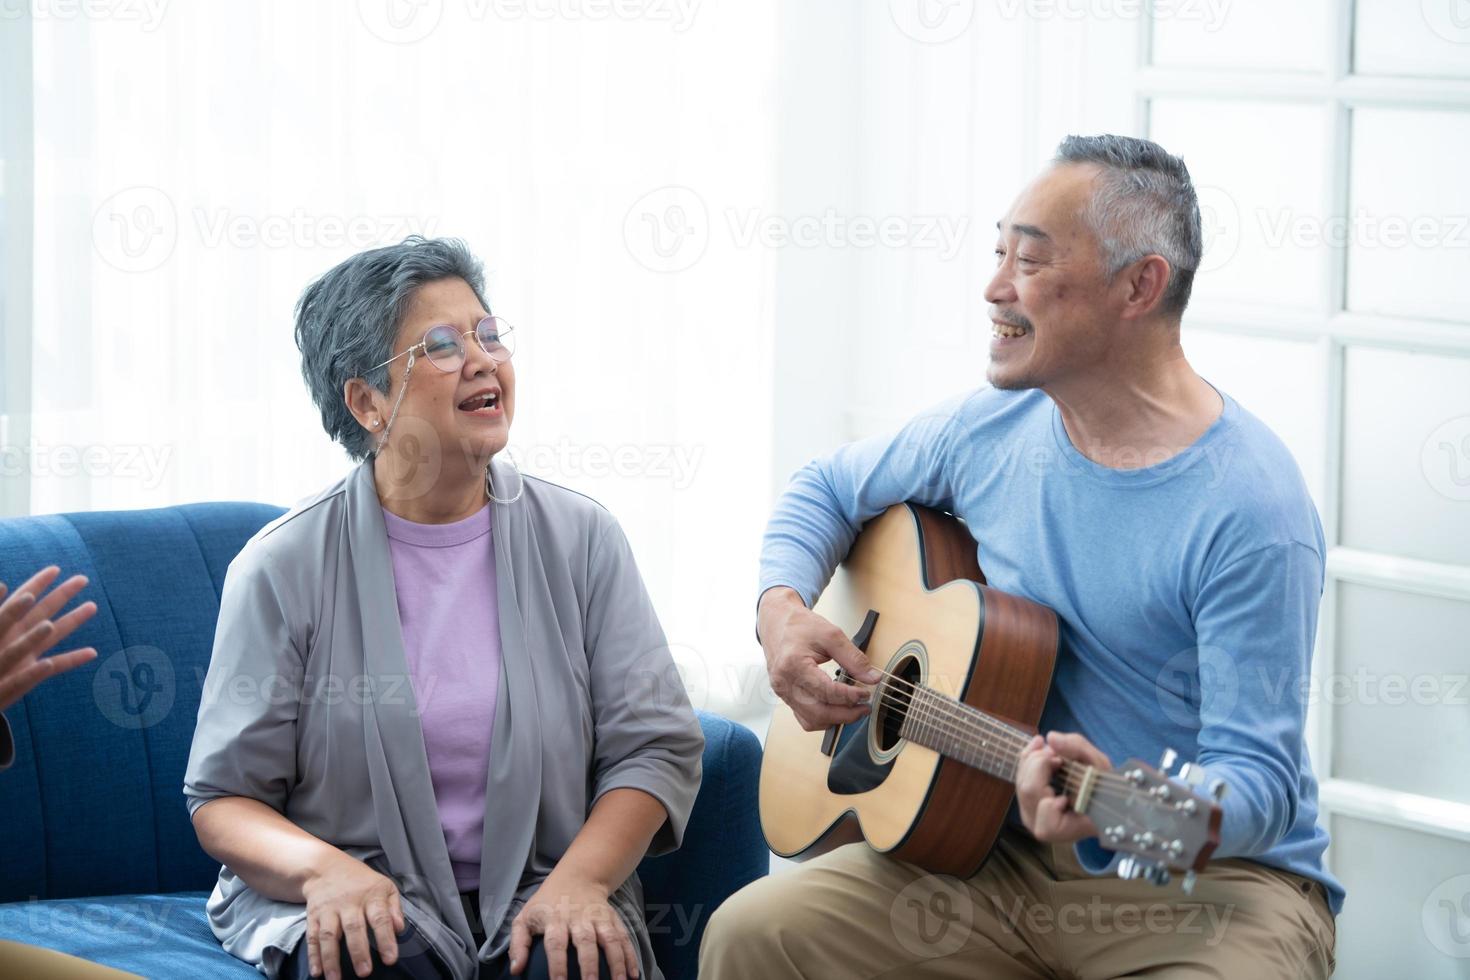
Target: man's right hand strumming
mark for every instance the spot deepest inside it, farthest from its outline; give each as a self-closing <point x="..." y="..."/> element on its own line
<point x="796" y="641"/>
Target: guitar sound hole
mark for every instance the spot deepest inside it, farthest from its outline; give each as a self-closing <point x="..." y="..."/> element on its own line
<point x="893" y="701"/>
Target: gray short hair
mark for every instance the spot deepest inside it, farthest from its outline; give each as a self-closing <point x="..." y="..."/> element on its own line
<point x="346" y="322"/>
<point x="1144" y="204"/>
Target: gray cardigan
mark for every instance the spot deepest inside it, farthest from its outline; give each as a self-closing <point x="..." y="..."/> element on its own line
<point x="308" y="708"/>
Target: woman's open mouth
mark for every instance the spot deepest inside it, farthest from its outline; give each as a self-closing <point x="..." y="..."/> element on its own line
<point x="485" y="404"/>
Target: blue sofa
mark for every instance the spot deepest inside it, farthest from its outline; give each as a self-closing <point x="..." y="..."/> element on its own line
<point x="98" y="857"/>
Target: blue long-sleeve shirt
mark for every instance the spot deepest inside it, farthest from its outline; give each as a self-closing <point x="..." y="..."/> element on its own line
<point x="1186" y="591"/>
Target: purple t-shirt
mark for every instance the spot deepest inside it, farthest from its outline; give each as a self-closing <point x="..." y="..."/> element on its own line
<point x="444" y="577"/>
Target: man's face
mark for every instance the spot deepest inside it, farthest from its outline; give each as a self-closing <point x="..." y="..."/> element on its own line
<point x="1050" y="297"/>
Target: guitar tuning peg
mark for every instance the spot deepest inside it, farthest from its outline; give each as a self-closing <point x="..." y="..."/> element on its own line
<point x="1218" y="790"/>
<point x="1188" y="883"/>
<point x="1191" y="774"/>
<point x="1168" y="760"/>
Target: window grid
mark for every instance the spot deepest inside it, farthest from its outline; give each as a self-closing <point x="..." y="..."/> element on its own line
<point x="1336" y="329"/>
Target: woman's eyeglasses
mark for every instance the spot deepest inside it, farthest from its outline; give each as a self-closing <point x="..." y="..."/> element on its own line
<point x="444" y="346"/>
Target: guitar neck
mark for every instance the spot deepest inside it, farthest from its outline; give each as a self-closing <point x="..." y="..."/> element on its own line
<point x="973" y="737"/>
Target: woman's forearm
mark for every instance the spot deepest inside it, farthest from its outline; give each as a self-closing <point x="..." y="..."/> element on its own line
<point x="614" y="838"/>
<point x="274" y="856"/>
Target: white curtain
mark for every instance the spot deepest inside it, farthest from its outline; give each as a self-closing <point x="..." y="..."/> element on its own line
<point x="197" y="164"/>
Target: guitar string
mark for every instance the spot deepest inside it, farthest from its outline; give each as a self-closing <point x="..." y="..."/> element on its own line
<point x="963" y="715"/>
<point x="1100" y="802"/>
<point x="1073" y="773"/>
<point x="926" y="717"/>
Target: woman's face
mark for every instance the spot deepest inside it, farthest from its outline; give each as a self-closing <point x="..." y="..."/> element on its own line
<point x="443" y="413"/>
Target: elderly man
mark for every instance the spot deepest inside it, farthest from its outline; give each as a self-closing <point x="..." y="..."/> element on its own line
<point x="1171" y="532"/>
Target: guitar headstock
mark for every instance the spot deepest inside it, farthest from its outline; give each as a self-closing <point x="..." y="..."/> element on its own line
<point x="1164" y="825"/>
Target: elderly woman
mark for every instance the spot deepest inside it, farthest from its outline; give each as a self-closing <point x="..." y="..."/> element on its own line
<point x="418" y="753"/>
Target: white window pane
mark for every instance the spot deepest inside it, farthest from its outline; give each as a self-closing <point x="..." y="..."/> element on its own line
<point x="1399" y="692"/>
<point x="1263" y="34"/>
<point x="1397" y="37"/>
<point x="1278" y="381"/>
<point x="1406" y="454"/>
<point x="1260" y="199"/>
<point x="1408" y="893"/>
<point x="1409" y="234"/>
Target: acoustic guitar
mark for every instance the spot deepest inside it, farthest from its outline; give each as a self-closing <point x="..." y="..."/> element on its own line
<point x="928" y="775"/>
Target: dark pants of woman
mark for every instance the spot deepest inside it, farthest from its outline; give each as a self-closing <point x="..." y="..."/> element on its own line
<point x="417" y="962"/>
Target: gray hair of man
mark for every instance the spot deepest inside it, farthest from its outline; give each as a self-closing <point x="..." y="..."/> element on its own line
<point x="1143" y="204"/>
<point x="347" y="320"/>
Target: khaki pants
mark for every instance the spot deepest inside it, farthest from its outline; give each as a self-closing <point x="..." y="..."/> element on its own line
<point x="23" y="962"/>
<point x="1030" y="912"/>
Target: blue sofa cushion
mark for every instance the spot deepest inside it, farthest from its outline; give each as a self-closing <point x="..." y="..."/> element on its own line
<point x="94" y="805"/>
<point x="155" y="936"/>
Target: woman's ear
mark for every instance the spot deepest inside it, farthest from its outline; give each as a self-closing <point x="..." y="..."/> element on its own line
<point x="362" y="402"/>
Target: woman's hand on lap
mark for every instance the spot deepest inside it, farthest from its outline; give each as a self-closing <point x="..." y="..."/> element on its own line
<point x="346" y="900"/>
<point x="568" y="909"/>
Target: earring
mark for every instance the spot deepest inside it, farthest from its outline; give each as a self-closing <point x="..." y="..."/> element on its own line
<point x="519" y="490"/>
<point x="377" y="422"/>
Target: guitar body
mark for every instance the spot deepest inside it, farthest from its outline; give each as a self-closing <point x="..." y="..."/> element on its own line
<point x="938" y="625"/>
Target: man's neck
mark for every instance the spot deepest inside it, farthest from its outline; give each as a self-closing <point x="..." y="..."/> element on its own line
<point x="1138" y="414"/>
